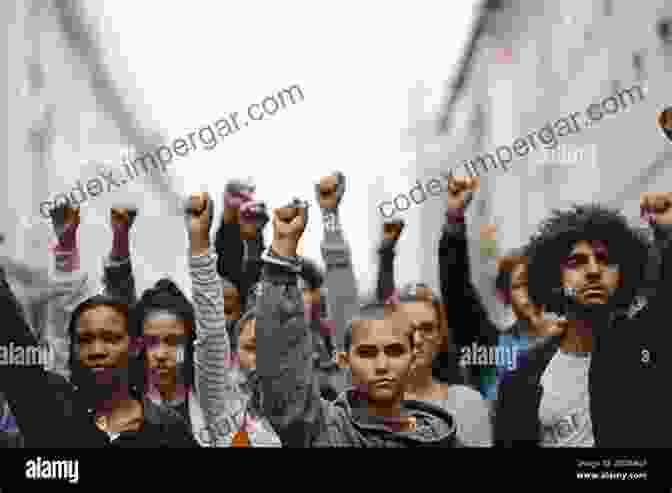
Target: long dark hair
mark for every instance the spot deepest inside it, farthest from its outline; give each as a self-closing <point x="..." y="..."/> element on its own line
<point x="166" y="296"/>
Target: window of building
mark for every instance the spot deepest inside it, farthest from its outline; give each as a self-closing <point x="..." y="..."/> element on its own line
<point x="664" y="30"/>
<point x="608" y="7"/>
<point x="638" y="65"/>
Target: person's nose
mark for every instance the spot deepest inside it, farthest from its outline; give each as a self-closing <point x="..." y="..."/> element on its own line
<point x="382" y="363"/>
<point x="593" y="268"/>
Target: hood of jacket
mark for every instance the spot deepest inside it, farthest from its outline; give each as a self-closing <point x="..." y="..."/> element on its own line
<point x="434" y="426"/>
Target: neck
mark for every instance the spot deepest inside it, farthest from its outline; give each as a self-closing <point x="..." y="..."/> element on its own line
<point x="386" y="410"/>
<point x="173" y="393"/>
<point x="420" y="380"/>
<point x="119" y="396"/>
<point x="578" y="337"/>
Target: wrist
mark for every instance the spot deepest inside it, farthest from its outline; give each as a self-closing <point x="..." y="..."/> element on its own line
<point x="284" y="248"/>
<point x="455" y="216"/>
<point x="199" y="247"/>
<point x="230" y="215"/>
<point x="387" y="247"/>
<point x="287" y="262"/>
<point x="67" y="260"/>
<point x="330" y="220"/>
<point x="67" y="240"/>
<point x="120" y="242"/>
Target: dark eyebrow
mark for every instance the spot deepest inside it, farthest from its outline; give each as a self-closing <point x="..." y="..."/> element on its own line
<point x="366" y="346"/>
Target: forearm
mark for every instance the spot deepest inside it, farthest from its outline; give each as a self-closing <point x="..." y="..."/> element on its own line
<point x="340" y="279"/>
<point x="230" y="252"/>
<point x="385" y="284"/>
<point x="663" y="239"/>
<point x="284" y="358"/>
<point x="467" y="315"/>
<point x="118" y="271"/>
<point x="217" y="391"/>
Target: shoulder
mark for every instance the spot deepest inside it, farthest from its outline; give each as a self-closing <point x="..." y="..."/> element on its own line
<point x="463" y="396"/>
<point x="161" y="415"/>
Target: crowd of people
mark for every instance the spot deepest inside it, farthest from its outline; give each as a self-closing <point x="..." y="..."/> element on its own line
<point x="271" y="350"/>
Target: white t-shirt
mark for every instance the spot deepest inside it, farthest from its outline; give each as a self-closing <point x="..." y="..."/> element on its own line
<point x="564" y="410"/>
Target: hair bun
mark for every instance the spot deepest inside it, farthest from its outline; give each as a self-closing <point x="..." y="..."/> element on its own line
<point x="166" y="284"/>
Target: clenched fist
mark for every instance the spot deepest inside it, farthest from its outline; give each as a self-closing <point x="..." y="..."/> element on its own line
<point x="460" y="192"/>
<point x="289" y="223"/>
<point x="198" y="218"/>
<point x="252" y="219"/>
<point x="330" y="190"/>
<point x="123" y="217"/>
<point x="65" y="220"/>
<point x="392" y="229"/>
<point x="236" y="193"/>
<point x="656" y="208"/>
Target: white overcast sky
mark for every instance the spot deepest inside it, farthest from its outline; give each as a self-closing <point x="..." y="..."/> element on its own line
<point x="355" y="61"/>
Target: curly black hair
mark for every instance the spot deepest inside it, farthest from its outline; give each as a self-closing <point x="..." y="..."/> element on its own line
<point x="556" y="236"/>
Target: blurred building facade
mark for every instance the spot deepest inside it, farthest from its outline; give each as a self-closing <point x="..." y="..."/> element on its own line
<point x="534" y="61"/>
<point x="67" y="115"/>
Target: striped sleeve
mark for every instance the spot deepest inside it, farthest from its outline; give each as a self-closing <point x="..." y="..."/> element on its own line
<point x="219" y="391"/>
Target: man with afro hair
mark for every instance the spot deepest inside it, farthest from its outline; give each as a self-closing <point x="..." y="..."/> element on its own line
<point x="599" y="383"/>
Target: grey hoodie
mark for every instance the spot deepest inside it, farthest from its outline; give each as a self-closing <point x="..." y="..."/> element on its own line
<point x="348" y="425"/>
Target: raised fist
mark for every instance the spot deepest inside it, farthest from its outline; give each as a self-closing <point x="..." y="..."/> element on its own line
<point x="65" y="220"/>
<point x="198" y="217"/>
<point x="253" y="217"/>
<point x="289" y="223"/>
<point x="656" y="208"/>
<point x="461" y="191"/>
<point x="123" y="217"/>
<point x="392" y="229"/>
<point x="238" y="192"/>
<point x="330" y="190"/>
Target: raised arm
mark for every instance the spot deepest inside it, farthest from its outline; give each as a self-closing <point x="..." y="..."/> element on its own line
<point x="253" y="219"/>
<point x="290" y="391"/>
<point x="637" y="352"/>
<point x="386" y="252"/>
<point x="217" y="390"/>
<point x="467" y="317"/>
<point x="341" y="284"/>
<point x="33" y="394"/>
<point x="229" y="243"/>
<point x="119" y="280"/>
<point x="68" y="286"/>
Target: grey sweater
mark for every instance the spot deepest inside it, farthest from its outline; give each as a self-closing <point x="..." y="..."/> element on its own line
<point x="226" y="394"/>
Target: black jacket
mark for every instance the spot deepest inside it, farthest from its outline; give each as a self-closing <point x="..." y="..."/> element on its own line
<point x="50" y="411"/>
<point x="467" y="317"/>
<point x="627" y="382"/>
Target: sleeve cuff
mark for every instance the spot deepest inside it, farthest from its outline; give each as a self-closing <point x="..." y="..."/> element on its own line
<point x="289" y="264"/>
<point x="454" y="229"/>
<point x="198" y="261"/>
